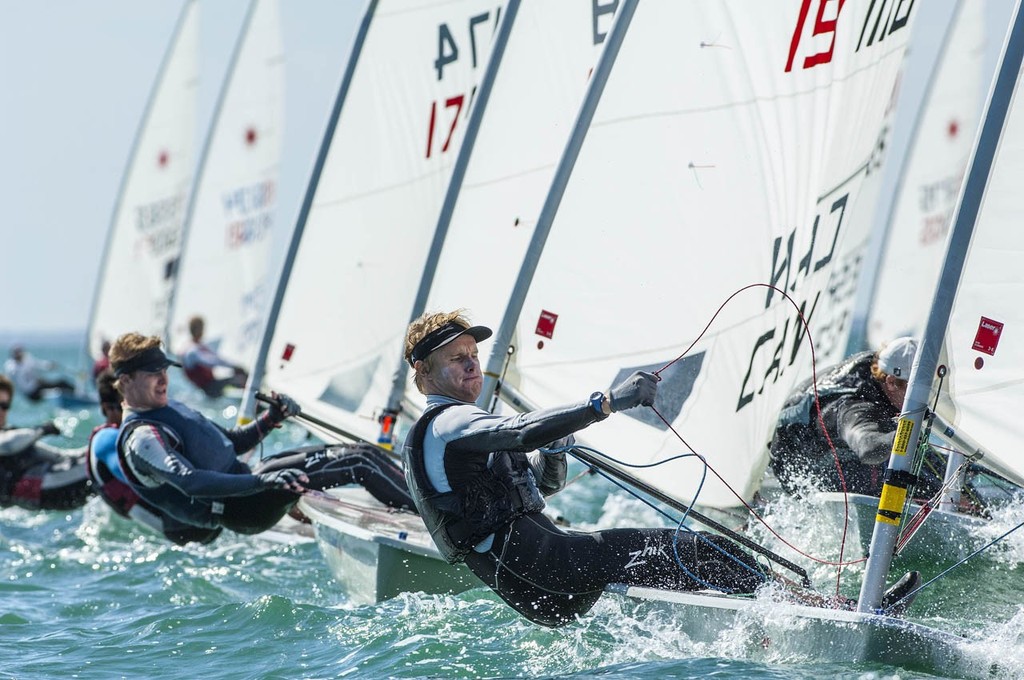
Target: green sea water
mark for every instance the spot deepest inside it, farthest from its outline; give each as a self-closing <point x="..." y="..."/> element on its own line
<point x="87" y="594"/>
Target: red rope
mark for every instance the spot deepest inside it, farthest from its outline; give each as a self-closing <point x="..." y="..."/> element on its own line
<point x="842" y="480"/>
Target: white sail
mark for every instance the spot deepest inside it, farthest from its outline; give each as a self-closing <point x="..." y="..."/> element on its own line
<point x="223" y="274"/>
<point x="983" y="346"/>
<point x="734" y="143"/>
<point x="550" y="54"/>
<point x="373" y="207"/>
<point x="144" y="240"/>
<point x="934" y="168"/>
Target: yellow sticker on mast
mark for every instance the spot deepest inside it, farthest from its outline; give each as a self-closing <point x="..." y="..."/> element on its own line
<point x="902" y="439"/>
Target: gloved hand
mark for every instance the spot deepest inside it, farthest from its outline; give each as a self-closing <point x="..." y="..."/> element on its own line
<point x="639" y="389"/>
<point x="292" y="479"/>
<point x="282" y="408"/>
<point x="49" y="428"/>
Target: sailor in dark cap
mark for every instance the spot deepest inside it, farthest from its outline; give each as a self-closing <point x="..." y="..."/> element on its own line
<point x="187" y="466"/>
<point x="480" y="491"/>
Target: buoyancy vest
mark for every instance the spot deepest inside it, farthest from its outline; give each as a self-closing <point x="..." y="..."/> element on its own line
<point x="188" y="433"/>
<point x="488" y="492"/>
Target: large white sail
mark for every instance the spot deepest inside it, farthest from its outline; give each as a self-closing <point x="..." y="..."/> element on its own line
<point x="734" y="143"/>
<point x="983" y="345"/>
<point x="144" y="241"/>
<point x="223" y="274"/>
<point x="548" y="59"/>
<point x="928" y="188"/>
<point x="373" y="205"/>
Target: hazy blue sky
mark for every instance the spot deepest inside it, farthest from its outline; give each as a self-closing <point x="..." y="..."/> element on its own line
<point x="75" y="77"/>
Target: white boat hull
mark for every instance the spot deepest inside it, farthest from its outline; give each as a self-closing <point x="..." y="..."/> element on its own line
<point x="376" y="553"/>
<point x="769" y="631"/>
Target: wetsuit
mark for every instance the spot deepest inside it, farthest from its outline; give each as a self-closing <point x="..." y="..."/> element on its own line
<point x="460" y="458"/>
<point x="860" y="421"/>
<point x="110" y="483"/>
<point x="187" y="466"/>
<point x="36" y="476"/>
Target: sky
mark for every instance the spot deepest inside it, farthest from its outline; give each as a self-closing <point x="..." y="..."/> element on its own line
<point x="75" y="78"/>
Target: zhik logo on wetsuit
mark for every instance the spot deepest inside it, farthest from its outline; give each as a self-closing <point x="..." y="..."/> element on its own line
<point x="637" y="557"/>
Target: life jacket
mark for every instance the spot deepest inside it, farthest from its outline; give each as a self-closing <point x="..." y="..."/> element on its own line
<point x="186" y="432"/>
<point x="488" y="492"/>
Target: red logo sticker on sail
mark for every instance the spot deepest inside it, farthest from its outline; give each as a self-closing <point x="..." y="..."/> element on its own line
<point x="546" y="324"/>
<point x="289" y="349"/>
<point x="987" y="337"/>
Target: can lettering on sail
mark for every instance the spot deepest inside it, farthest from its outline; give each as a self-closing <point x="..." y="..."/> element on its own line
<point x="987" y="337"/>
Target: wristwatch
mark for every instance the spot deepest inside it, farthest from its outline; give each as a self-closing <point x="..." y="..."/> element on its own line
<point x="600" y="404"/>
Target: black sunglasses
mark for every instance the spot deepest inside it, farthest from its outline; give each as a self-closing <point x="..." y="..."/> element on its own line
<point x="5" y="405"/>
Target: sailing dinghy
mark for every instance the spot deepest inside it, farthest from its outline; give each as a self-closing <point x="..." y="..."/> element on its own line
<point x="335" y="328"/>
<point x="497" y="188"/>
<point x="896" y="290"/>
<point x="967" y="370"/>
<point x="669" y="202"/>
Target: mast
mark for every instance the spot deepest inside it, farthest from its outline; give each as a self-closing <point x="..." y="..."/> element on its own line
<point x="247" y="409"/>
<point x="483" y="93"/>
<point x="547" y="214"/>
<point x="894" y="491"/>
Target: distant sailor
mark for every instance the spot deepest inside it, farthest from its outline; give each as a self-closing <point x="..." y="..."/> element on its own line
<point x="27" y="372"/>
<point x="200" y="361"/>
<point x="187" y="467"/>
<point x="34" y="475"/>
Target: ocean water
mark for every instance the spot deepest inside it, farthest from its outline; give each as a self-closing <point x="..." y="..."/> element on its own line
<point x="87" y="594"/>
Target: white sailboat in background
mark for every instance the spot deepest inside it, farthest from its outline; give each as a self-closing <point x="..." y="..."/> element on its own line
<point x="499" y="183"/>
<point x="144" y="240"/>
<point x="223" y="272"/>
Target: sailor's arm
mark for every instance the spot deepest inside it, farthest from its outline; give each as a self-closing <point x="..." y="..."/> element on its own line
<point x="13" y="442"/>
<point x="154" y="464"/>
<point x="867" y="431"/>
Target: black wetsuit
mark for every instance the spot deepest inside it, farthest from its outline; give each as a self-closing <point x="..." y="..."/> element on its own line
<point x="860" y="421"/>
<point x="185" y="465"/>
<point x="547" y="574"/>
<point x="40" y="477"/>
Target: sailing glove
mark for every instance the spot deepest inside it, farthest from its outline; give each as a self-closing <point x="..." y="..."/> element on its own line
<point x="282" y="407"/>
<point x="288" y="478"/>
<point x="639" y="389"/>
